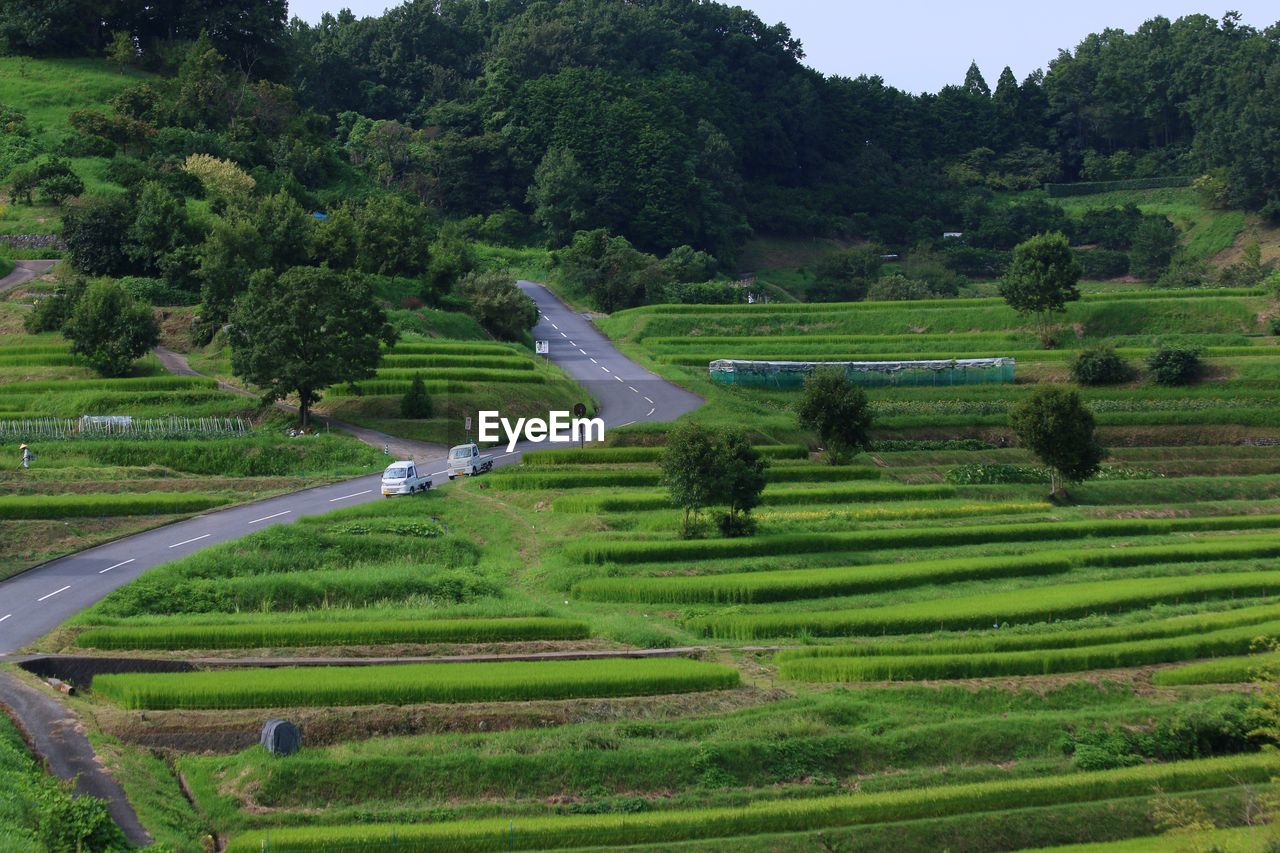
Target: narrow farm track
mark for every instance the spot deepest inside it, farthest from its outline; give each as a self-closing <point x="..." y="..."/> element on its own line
<point x="23" y="272"/>
<point x="55" y="735"/>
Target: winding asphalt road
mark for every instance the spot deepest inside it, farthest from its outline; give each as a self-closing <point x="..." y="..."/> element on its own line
<point x="37" y="601"/>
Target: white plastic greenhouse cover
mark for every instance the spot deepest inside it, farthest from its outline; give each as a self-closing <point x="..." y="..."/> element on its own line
<point x="728" y="365"/>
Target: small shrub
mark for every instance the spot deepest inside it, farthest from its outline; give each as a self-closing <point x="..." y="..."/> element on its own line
<point x="1099" y="366"/>
<point x="416" y="402"/>
<point x="1174" y="365"/>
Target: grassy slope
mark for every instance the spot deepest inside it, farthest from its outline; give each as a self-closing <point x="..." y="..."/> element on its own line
<point x="48" y="91"/>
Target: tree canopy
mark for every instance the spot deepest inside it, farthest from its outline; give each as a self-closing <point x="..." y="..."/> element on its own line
<point x="1057" y="427"/>
<point x="304" y="330"/>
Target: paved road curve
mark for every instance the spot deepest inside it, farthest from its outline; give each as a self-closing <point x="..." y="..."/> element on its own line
<point x="37" y="601"/>
<point x="23" y="272"/>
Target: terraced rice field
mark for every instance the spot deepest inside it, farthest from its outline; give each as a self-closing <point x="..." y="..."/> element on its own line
<point x="916" y="650"/>
<point x="462" y="377"/>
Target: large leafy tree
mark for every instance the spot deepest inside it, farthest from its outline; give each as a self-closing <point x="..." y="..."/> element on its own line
<point x="110" y="329"/>
<point x="704" y="467"/>
<point x="304" y="330"/>
<point x="687" y="467"/>
<point x="1041" y="280"/>
<point x="836" y="409"/>
<point x="1057" y="427"/>
<point x="498" y="305"/>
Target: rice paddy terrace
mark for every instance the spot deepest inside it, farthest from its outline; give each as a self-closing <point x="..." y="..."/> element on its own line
<point x="918" y="649"/>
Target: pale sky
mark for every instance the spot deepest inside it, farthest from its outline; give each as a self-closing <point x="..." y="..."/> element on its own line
<point x="922" y="46"/>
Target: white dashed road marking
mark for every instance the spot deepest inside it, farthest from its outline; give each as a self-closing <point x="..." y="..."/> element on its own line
<point x="581" y="350"/>
<point x="648" y="413"/>
<point x="189" y="541"/>
<point x="593" y="361"/>
<point x="554" y="326"/>
<point x="116" y="566"/>
<point x="647" y="400"/>
<point x="619" y="378"/>
<point x="633" y="388"/>
<point x="347" y="497"/>
<point x="55" y="592"/>
<point x="563" y="335"/>
<point x="605" y="369"/>
<point x="6" y="616"/>
<point x="269" y="517"/>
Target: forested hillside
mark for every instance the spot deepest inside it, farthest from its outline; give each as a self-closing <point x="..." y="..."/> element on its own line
<point x="668" y="122"/>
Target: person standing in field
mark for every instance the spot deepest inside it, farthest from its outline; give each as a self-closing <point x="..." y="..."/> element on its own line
<point x="27" y="456"/>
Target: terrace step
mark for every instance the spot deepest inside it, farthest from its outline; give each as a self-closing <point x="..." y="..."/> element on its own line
<point x="80" y="669"/>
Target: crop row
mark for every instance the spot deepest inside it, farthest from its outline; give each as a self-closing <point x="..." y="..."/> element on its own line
<point x="440" y="384"/>
<point x="505" y="362"/>
<point x="1230" y="641"/>
<point x="663" y="828"/>
<point x="350" y="633"/>
<point x="403" y="684"/>
<point x="1037" y="604"/>
<point x="763" y="586"/>
<point x="95" y="505"/>
<point x="547" y="477"/>
<point x="629" y="455"/>
<point x="922" y="537"/>
<point x="1005" y="641"/>
<point x="640" y="501"/>
<point x="298" y="590"/>
<point x="452" y="348"/>
<point x="1232" y="670"/>
<point x="138" y="383"/>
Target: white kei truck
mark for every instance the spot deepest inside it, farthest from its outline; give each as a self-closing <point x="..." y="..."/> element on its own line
<point x="403" y="478"/>
<point x="468" y="460"/>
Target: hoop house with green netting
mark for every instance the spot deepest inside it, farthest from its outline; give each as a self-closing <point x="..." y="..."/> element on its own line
<point x="791" y="374"/>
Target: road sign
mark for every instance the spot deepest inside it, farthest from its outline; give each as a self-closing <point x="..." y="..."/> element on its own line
<point x="542" y="347"/>
<point x="579" y="409"/>
<point x="468" y="423"/>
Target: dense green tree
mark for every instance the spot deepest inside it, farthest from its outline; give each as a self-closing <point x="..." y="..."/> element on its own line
<point x="1153" y="246"/>
<point x="160" y="227"/>
<point x="416" y="402"/>
<point x="306" y="329"/>
<point x="1041" y="280"/>
<point x="742" y="480"/>
<point x="560" y="195"/>
<point x="1174" y="365"/>
<point x="837" y="409"/>
<point x="500" y="307"/>
<point x="96" y="235"/>
<point x="687" y="264"/>
<point x="394" y="238"/>
<point x="689" y="470"/>
<point x="845" y="275"/>
<point x="609" y="270"/>
<point x="1059" y="429"/>
<point x="232" y="251"/>
<point x="110" y="329"/>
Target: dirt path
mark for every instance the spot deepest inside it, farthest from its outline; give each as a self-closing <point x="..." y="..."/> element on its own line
<point x="394" y="446"/>
<point x="57" y="737"/>
<point x="23" y="272"/>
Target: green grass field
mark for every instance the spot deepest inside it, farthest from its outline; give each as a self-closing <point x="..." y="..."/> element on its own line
<point x="47" y="91"/>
